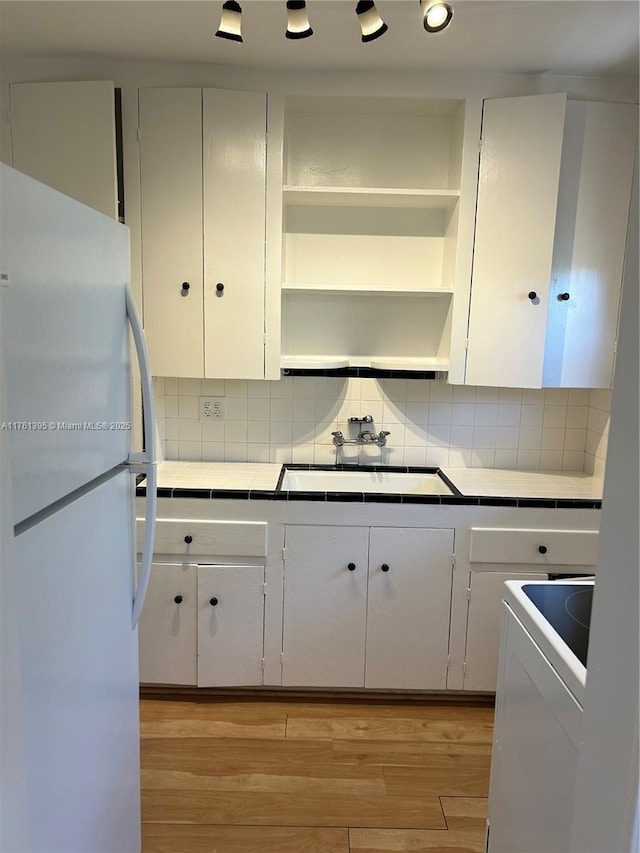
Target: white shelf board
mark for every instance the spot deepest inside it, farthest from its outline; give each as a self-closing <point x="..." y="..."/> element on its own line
<point x="314" y="362"/>
<point x="370" y="197"/>
<point x="294" y="287"/>
<point x="331" y="362"/>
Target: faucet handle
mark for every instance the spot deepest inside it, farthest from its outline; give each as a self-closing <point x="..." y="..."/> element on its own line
<point x="384" y="432"/>
<point x="338" y="438"/>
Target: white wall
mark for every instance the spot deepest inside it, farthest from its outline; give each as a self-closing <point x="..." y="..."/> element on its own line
<point x="607" y="788"/>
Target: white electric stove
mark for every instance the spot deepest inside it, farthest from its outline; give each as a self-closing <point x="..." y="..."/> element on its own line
<point x="538" y="723"/>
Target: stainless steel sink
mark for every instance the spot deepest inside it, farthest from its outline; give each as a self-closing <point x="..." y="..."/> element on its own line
<point x="397" y="482"/>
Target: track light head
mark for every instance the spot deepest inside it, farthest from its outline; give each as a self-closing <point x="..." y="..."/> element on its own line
<point x="298" y="26"/>
<point x="371" y="23"/>
<point x="230" y="21"/>
<point x="437" y="15"/>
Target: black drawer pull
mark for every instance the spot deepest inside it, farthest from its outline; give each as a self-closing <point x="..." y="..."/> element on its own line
<point x="188" y="539"/>
<point x="178" y="599"/>
<point x="542" y="549"/>
<point x="213" y="601"/>
<point x="384" y="567"/>
<point x="351" y="567"/>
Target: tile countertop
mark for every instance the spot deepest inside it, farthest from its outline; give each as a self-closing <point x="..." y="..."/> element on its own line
<point x="482" y="483"/>
<point x="219" y="475"/>
<point x="499" y="482"/>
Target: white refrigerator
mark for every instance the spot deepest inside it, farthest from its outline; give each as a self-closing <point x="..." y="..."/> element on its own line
<point x="71" y="598"/>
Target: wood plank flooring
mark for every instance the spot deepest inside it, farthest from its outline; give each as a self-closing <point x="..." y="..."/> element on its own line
<point x="313" y="776"/>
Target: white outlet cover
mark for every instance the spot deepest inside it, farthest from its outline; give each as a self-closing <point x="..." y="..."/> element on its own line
<point x="211" y="409"/>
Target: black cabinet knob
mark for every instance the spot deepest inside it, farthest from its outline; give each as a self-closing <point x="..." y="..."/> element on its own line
<point x="542" y="549"/>
<point x="178" y="599"/>
<point x="532" y="295"/>
<point x="188" y="539"/>
<point x="384" y="567"/>
<point x="219" y="288"/>
<point x="185" y="288"/>
<point x="351" y="567"/>
<point x="564" y="297"/>
<point x="213" y="601"/>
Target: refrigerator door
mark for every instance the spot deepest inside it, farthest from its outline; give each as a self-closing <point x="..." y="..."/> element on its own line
<point x="66" y="341"/>
<point x="79" y="667"/>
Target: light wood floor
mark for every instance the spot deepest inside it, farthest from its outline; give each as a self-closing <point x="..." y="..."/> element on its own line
<point x="236" y="776"/>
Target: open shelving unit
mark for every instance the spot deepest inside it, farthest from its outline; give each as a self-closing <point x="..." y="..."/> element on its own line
<point x="370" y="220"/>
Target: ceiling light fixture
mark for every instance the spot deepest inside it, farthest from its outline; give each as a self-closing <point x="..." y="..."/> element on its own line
<point x="436" y="15"/>
<point x="371" y="23"/>
<point x="298" y="26"/>
<point x="231" y="21"/>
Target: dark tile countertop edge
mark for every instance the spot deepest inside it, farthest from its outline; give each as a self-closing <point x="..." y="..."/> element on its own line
<point x="457" y="499"/>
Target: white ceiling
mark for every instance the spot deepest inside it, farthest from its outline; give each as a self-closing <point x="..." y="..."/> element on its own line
<point x="576" y="37"/>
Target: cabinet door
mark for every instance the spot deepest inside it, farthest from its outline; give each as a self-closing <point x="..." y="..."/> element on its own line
<point x="325" y="606"/>
<point x="234" y="162"/>
<point x="230" y="625"/>
<point x="483" y="626"/>
<point x="171" y="212"/>
<point x="64" y="135"/>
<point x="514" y="239"/>
<point x="593" y="209"/>
<point x="409" y="607"/>
<point x="167" y="627"/>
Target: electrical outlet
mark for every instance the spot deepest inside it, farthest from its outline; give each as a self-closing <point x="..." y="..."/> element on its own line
<point x="211" y="409"/>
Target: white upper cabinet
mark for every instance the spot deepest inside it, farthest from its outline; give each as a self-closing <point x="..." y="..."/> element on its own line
<point x="203" y="168"/>
<point x="172" y="243"/>
<point x="553" y="201"/>
<point x="64" y="135"/>
<point x="234" y="164"/>
<point x="371" y="200"/>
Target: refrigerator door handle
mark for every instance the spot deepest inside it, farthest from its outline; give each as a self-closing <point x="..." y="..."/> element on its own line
<point x="145" y="462"/>
<point x="149" y="537"/>
<point x="148" y="455"/>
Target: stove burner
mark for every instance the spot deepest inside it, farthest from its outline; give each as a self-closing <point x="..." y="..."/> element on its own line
<point x="578" y="606"/>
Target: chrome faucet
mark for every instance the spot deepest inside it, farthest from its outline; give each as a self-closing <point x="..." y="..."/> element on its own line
<point x="365" y="436"/>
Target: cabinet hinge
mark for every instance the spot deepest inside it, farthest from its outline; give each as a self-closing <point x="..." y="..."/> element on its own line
<point x="264" y="589"/>
<point x="468" y="593"/>
<point x="464" y="667"/>
<point x="615" y="347"/>
<point x="9" y="116"/>
<point x="263" y="666"/>
<point x="448" y="662"/>
<point x="480" y="145"/>
<point x="284" y="551"/>
<point x="264" y="338"/>
<point x="139" y="134"/>
<point x="281" y="659"/>
<point x="453" y="562"/>
<point x="466" y="343"/>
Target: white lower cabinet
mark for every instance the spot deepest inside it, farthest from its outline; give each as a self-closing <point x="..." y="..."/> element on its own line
<point x="483" y="626"/>
<point x="498" y="554"/>
<point x="366" y="607"/>
<point x="325" y="606"/>
<point x="167" y="631"/>
<point x="230" y="625"/>
<point x="203" y="625"/>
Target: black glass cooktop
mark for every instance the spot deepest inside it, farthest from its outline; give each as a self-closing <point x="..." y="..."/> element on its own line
<point x="567" y="608"/>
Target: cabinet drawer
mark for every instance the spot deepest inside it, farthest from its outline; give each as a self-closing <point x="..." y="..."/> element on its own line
<point x="563" y="547"/>
<point x="195" y="538"/>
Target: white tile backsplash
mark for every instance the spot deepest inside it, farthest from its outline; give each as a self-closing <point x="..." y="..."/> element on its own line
<point x="431" y="423"/>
